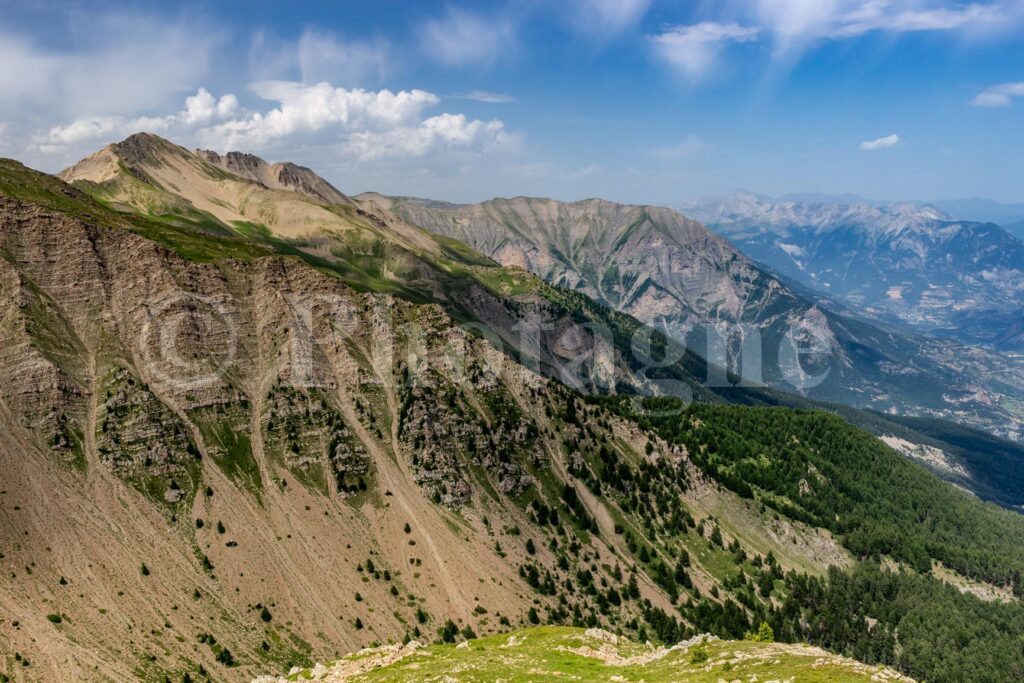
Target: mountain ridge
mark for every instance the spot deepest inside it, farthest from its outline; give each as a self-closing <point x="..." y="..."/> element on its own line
<point x="900" y="262"/>
<point x="665" y="269"/>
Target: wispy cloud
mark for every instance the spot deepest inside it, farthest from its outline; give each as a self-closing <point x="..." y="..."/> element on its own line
<point x="126" y="64"/>
<point x="694" y="50"/>
<point x="485" y="96"/>
<point x="794" y="24"/>
<point x="690" y="146"/>
<point x="998" y="95"/>
<point x="462" y="38"/>
<point x="881" y="143"/>
<point x="324" y="56"/>
<point x="606" y="17"/>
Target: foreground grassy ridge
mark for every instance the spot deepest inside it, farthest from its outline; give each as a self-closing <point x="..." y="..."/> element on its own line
<point x="566" y="654"/>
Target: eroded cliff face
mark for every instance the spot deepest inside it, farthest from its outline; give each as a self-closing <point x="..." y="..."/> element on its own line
<point x="145" y="392"/>
<point x="245" y="461"/>
<point x="650" y="262"/>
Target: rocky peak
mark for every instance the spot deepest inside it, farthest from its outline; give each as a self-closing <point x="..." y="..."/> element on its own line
<point x="278" y="176"/>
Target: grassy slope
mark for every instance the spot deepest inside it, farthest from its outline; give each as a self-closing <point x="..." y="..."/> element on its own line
<point x="552" y="653"/>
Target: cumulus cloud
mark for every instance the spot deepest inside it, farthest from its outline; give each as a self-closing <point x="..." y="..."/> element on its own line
<point x="998" y="95"/>
<point x="200" y="109"/>
<point x="461" y="38"/>
<point x="606" y="17"/>
<point x="881" y="143"/>
<point x="368" y="124"/>
<point x="693" y="50"/>
<point x="445" y="132"/>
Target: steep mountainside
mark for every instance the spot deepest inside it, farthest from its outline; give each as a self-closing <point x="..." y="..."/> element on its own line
<point x="226" y="452"/>
<point x="167" y="504"/>
<point x="671" y="272"/>
<point x="372" y="249"/>
<point x="903" y="262"/>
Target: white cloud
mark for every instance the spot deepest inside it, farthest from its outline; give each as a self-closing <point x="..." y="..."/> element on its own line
<point x="119" y="64"/>
<point x="693" y="50"/>
<point x="318" y="55"/>
<point x="461" y="38"/>
<point x="606" y="17"/>
<point x="485" y="96"/>
<point x="688" y="147"/>
<point x="369" y="124"/>
<point x="442" y="133"/>
<point x="998" y="95"/>
<point x="797" y="23"/>
<point x="325" y="57"/>
<point x="200" y="109"/>
<point x="307" y="109"/>
<point x="881" y="143"/>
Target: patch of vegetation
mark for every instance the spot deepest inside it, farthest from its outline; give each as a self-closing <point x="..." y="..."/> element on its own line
<point x="549" y="653"/>
<point x="814" y="467"/>
<point x="224" y="428"/>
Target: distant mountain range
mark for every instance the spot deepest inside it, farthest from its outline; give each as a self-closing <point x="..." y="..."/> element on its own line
<point x="983" y="210"/>
<point x="906" y="262"/>
<point x="670" y="271"/>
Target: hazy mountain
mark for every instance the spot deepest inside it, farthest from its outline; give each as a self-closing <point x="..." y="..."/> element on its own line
<point x="907" y="262"/>
<point x="981" y="210"/>
<point x="1015" y="229"/>
<point x="668" y="270"/>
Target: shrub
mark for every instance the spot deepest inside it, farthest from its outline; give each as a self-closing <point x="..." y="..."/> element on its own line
<point x="448" y="632"/>
<point x="225" y="657"/>
<point x="699" y="653"/>
<point x="764" y="634"/>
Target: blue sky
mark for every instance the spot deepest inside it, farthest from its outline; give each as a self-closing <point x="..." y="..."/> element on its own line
<point x="633" y="100"/>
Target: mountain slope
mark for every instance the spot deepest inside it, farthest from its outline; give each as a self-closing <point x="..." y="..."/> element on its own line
<point x="215" y="455"/>
<point x="191" y="502"/>
<point x="903" y="262"/>
<point x="670" y="271"/>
